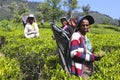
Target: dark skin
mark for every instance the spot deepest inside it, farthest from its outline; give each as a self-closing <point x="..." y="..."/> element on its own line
<point x="84" y="27"/>
<point x="73" y="22"/>
<point x="64" y="23"/>
<point x="31" y="20"/>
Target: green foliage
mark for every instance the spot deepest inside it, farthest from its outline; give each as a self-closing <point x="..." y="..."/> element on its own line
<point x="72" y="5"/>
<point x="119" y="22"/>
<point x="31" y="53"/>
<point x="37" y="58"/>
<point x="4" y="24"/>
<point x="9" y="69"/>
<point x="86" y="9"/>
<point x="108" y="67"/>
<point x="23" y="8"/>
<point x="38" y="16"/>
<point x="104" y="29"/>
<point x="52" y="7"/>
<point x="44" y="9"/>
<point x="49" y="10"/>
<point x="14" y="8"/>
<point x="106" y="21"/>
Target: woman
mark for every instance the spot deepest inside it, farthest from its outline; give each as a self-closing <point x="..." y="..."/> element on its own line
<point x="31" y="28"/>
<point x="81" y="54"/>
<point x="73" y="22"/>
<point x="66" y="26"/>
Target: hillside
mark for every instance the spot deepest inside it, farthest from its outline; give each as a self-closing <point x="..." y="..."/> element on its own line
<point x="99" y="17"/>
<point x="4" y="10"/>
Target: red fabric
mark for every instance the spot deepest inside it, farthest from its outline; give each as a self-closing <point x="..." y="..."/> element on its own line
<point x="74" y="42"/>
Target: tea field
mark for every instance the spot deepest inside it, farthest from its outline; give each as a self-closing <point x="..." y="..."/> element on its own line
<point x="37" y="58"/>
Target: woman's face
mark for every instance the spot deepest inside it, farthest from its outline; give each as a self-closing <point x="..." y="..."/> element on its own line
<point x="72" y="22"/>
<point x="84" y="27"/>
<point x="31" y="20"/>
<point x="64" y="23"/>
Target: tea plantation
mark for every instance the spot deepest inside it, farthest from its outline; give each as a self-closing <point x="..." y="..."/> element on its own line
<point x="37" y="58"/>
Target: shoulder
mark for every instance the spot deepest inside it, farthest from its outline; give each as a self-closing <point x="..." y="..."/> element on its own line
<point x="35" y="24"/>
<point x="27" y="25"/>
<point x="69" y="28"/>
<point x="76" y="35"/>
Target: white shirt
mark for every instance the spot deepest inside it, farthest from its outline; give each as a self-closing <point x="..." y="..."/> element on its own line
<point x="31" y="31"/>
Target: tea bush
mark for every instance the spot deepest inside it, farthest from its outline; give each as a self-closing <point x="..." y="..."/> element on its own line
<point x="9" y="69"/>
<point x="37" y="58"/>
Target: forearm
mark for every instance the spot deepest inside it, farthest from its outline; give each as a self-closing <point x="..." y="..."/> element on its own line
<point x="79" y="56"/>
<point x="31" y="32"/>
